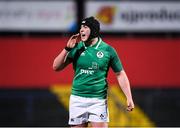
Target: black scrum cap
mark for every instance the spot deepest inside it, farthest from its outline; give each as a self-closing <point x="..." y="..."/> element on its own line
<point x="94" y="26"/>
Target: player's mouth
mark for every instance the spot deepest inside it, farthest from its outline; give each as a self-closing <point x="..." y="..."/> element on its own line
<point x="83" y="36"/>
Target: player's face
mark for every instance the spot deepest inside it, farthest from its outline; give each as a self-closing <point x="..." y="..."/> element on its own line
<point x="84" y="32"/>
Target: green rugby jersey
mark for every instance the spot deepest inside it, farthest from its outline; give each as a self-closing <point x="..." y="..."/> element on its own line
<point x="91" y="65"/>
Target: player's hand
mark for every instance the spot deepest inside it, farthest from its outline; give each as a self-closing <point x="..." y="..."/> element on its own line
<point x="130" y="105"/>
<point x="73" y="40"/>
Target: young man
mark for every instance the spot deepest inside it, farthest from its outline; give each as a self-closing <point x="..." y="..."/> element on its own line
<point x="91" y="58"/>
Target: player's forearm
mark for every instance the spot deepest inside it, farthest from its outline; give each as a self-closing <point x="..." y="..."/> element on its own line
<point x="60" y="61"/>
<point x="124" y="84"/>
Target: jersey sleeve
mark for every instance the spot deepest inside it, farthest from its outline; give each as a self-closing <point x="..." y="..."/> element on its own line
<point x="76" y="51"/>
<point x="115" y="62"/>
<point x="72" y="53"/>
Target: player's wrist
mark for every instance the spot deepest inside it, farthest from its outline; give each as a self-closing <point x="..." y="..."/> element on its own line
<point x="68" y="49"/>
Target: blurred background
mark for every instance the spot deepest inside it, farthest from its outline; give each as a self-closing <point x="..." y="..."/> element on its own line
<point x="145" y="33"/>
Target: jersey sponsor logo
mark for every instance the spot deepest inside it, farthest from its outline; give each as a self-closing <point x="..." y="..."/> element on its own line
<point x="100" y="54"/>
<point x="88" y="72"/>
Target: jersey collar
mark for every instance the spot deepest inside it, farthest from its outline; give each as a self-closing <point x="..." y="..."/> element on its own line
<point x="96" y="45"/>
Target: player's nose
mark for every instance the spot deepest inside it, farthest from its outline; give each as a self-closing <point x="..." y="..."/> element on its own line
<point x="81" y="31"/>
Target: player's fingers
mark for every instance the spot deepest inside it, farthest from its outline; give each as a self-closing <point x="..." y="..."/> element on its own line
<point x="129" y="108"/>
<point x="130" y="103"/>
<point x="72" y="38"/>
<point x="75" y="39"/>
<point x="78" y="37"/>
<point x="75" y="36"/>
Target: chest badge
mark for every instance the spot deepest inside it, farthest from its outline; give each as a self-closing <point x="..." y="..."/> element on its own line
<point x="100" y="54"/>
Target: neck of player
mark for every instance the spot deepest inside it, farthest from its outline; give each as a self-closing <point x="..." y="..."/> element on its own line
<point x="92" y="41"/>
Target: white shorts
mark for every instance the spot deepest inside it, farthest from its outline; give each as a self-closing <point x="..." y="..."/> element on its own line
<point x="82" y="110"/>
